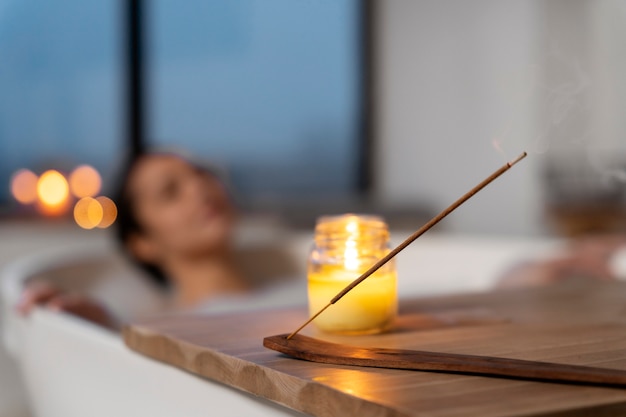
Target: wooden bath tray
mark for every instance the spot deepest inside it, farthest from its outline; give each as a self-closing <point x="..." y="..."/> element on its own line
<point x="576" y="324"/>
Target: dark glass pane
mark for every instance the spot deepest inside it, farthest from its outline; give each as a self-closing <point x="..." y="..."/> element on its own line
<point x="267" y="89"/>
<point x="60" y="82"/>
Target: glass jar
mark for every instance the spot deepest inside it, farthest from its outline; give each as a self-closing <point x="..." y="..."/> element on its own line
<point x="344" y="247"/>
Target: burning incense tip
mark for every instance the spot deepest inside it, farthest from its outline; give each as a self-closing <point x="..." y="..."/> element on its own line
<point x="516" y="160"/>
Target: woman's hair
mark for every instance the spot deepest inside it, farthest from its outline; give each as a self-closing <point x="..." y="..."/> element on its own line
<point x="127" y="223"/>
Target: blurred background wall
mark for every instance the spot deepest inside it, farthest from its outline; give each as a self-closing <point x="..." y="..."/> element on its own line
<point x="458" y="79"/>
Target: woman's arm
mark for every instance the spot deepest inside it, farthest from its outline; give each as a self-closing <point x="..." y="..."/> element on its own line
<point x="52" y="298"/>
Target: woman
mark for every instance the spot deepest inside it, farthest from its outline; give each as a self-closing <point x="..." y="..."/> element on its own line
<point x="177" y="221"/>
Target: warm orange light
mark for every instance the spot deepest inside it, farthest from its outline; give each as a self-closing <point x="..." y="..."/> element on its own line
<point x="24" y="186"/>
<point x="88" y="213"/>
<point x="85" y="181"/>
<point x="350" y="382"/>
<point x="109" y="212"/>
<point x="52" y="189"/>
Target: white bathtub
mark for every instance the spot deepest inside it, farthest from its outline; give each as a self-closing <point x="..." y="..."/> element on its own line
<point x="73" y="368"/>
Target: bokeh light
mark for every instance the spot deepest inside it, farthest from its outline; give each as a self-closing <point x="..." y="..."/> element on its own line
<point x="51" y="194"/>
<point x="109" y="212"/>
<point x="52" y="189"/>
<point x="24" y="186"/>
<point x="88" y="213"/>
<point x="85" y="181"/>
<point x="98" y="212"/>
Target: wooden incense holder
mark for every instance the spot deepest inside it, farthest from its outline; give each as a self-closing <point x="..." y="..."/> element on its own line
<point x="315" y="350"/>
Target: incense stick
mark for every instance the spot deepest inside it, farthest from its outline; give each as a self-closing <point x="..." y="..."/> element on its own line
<point x="414" y="236"/>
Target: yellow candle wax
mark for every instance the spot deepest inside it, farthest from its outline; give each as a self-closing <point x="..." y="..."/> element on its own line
<point x="368" y="308"/>
<point x="344" y="247"/>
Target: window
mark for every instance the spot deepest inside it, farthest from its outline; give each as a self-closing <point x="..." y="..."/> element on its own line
<point x="268" y="90"/>
<point x="60" y="76"/>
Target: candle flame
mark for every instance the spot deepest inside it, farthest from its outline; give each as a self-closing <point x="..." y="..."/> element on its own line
<point x="352" y="226"/>
<point x="351" y="256"/>
<point x="351" y="253"/>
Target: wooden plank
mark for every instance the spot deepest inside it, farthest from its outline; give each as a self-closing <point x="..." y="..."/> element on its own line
<point x="574" y="324"/>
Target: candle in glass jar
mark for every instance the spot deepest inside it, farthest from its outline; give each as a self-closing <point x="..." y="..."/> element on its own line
<point x="345" y="247"/>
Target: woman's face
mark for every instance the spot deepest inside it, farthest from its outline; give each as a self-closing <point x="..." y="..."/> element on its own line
<point x="182" y="210"/>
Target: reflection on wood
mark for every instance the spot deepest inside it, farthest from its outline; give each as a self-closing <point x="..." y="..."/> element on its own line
<point x="315" y="350"/>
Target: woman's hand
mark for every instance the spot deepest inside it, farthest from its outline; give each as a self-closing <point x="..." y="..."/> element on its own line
<point x="52" y="298"/>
